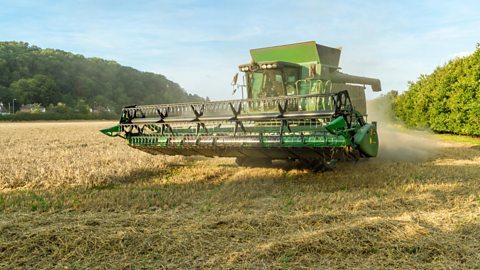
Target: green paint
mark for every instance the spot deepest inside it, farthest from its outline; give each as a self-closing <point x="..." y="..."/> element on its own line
<point x="366" y="138"/>
<point x="337" y="126"/>
<point x="292" y="109"/>
<point x="299" y="53"/>
<point x="112" y="131"/>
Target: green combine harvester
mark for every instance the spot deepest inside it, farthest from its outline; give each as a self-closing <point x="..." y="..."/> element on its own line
<point x="300" y="108"/>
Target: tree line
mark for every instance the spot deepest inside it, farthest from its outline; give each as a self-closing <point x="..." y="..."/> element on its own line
<point x="446" y="101"/>
<point x="30" y="74"/>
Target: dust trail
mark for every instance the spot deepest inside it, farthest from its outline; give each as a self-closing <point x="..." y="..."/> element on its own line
<point x="398" y="143"/>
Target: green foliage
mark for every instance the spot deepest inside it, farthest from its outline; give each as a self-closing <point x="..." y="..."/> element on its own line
<point x="46" y="76"/>
<point x="37" y="108"/>
<point x="39" y="88"/>
<point x="82" y="107"/>
<point x="447" y="101"/>
<point x="59" y="108"/>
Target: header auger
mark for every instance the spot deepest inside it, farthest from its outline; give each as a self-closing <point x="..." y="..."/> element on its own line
<point x="299" y="108"/>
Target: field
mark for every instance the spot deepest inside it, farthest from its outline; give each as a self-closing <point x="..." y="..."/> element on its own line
<point x="72" y="198"/>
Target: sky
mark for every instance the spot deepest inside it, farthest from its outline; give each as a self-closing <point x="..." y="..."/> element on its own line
<point x="199" y="44"/>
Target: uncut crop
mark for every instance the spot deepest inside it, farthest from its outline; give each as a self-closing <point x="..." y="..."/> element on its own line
<point x="56" y="154"/>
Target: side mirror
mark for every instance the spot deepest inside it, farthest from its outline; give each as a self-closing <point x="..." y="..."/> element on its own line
<point x="235" y="79"/>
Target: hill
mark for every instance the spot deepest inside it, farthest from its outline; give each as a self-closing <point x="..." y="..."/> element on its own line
<point x="447" y="101"/>
<point x="47" y="76"/>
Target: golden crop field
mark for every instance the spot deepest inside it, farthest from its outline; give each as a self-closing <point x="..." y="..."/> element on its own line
<point x="72" y="198"/>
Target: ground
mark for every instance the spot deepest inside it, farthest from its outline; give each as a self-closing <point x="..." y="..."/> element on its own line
<point x="73" y="198"/>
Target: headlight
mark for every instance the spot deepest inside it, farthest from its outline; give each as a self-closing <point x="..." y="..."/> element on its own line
<point x="269" y="66"/>
<point x="264" y="66"/>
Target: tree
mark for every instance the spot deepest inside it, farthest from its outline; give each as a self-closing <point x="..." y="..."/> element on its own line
<point x="48" y="76"/>
<point x="82" y="107"/>
<point x="448" y="100"/>
<point x="39" y="89"/>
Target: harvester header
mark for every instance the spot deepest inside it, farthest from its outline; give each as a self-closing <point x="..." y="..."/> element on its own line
<point x="299" y="107"/>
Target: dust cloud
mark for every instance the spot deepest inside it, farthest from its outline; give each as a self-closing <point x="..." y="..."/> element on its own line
<point x="398" y="143"/>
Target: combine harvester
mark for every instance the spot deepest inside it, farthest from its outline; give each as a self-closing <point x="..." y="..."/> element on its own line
<point x="300" y="108"/>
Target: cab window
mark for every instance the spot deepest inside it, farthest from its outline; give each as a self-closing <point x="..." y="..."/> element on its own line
<point x="291" y="76"/>
<point x="266" y="83"/>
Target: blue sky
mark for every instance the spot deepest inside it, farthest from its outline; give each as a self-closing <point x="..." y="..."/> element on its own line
<point x="199" y="44"/>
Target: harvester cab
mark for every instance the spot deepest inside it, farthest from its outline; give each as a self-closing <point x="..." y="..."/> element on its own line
<point x="302" y="69"/>
<point x="299" y="107"/>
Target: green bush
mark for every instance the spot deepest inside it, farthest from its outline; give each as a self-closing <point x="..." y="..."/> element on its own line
<point x="447" y="101"/>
